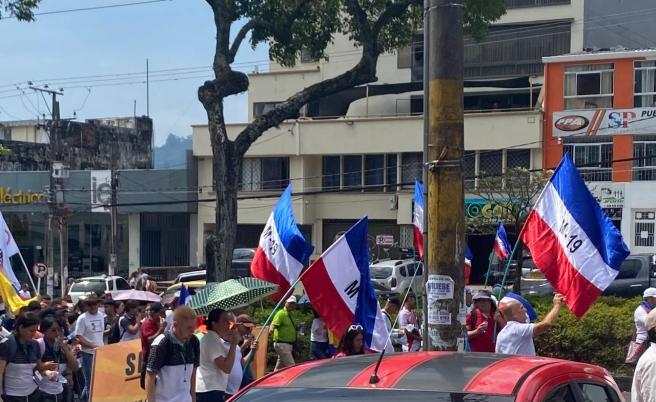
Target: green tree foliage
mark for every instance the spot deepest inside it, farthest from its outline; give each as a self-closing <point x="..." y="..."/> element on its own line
<point x="289" y="27"/>
<point x="23" y="10"/>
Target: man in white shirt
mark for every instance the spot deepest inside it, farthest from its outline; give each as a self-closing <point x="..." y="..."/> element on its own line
<point x="89" y="330"/>
<point x="409" y="322"/>
<point x="516" y="338"/>
<point x="640" y="314"/>
<point x="644" y="377"/>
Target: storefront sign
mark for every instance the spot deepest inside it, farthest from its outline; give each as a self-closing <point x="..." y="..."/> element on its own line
<point x="604" y="122"/>
<point x="101" y="190"/>
<point x="489" y="211"/>
<point x="384" y="240"/>
<point x="608" y="195"/>
<point x="7" y="196"/>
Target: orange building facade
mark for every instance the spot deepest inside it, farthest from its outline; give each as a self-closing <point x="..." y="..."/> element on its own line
<point x="600" y="109"/>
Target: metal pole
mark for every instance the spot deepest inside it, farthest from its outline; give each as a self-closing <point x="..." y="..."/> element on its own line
<point x="446" y="221"/>
<point x="489" y="268"/>
<point x="424" y="172"/>
<point x="147" y="90"/>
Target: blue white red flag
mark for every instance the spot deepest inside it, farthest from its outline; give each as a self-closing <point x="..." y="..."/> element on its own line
<point x="572" y="241"/>
<point x="502" y="246"/>
<point x="418" y="219"/>
<point x="339" y="286"/>
<point x="283" y="251"/>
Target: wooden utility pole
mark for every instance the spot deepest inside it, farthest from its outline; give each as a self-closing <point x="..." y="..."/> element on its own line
<point x="446" y="223"/>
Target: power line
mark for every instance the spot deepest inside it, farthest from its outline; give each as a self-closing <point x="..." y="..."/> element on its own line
<point x="75" y="10"/>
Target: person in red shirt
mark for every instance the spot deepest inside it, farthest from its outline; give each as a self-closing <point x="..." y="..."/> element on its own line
<point x="152" y="327"/>
<point x="480" y="323"/>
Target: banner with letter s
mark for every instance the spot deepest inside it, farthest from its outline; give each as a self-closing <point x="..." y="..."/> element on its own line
<point x="116" y="371"/>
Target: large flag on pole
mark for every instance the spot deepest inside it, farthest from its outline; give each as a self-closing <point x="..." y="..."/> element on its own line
<point x="572" y="241"/>
<point x="418" y="219"/>
<point x="9" y="248"/>
<point x="283" y="251"/>
<point x="502" y="246"/>
<point x="339" y="287"/>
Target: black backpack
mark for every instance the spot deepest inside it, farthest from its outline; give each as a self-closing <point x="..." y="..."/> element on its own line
<point x="115" y="333"/>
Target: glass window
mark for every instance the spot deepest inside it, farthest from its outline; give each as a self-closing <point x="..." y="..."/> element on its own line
<point x="594" y="393"/>
<point x="644" y="223"/>
<point x="374" y="172"/>
<point x="645" y="84"/>
<point x="592" y="159"/>
<point x="561" y="394"/>
<point x="629" y="269"/>
<point x="122" y="284"/>
<point x="589" y="86"/>
<point x="469" y="169"/>
<point x="391" y="171"/>
<point x="411" y="167"/>
<point x="250" y="174"/>
<point x="331" y="172"/>
<point x="110" y="285"/>
<point x="491" y="162"/>
<point x="274" y="173"/>
<point x="352" y="171"/>
<point x="644" y="162"/>
<point x="260" y="108"/>
<point x="518" y="158"/>
<point x="89" y="286"/>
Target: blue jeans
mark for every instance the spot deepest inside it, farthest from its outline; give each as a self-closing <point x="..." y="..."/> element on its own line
<point x="87" y="366"/>
<point x="320" y="350"/>
<point x="211" y="396"/>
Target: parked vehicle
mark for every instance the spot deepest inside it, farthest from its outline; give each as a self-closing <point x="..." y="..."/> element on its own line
<point x="173" y="291"/>
<point x="396" y="275"/>
<point x="83" y="287"/>
<point x="241" y="267"/>
<point x="637" y="273"/>
<point x="437" y="377"/>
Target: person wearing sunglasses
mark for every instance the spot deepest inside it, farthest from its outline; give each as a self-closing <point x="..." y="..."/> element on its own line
<point x="352" y="342"/>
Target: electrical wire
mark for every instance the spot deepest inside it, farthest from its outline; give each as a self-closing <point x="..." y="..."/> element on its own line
<point x="75" y="10"/>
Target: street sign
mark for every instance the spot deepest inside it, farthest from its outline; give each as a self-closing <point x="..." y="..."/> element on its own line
<point x="40" y="270"/>
<point x="384" y="240"/>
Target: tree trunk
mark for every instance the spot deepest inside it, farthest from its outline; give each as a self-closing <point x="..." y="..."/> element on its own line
<point x="518" y="271"/>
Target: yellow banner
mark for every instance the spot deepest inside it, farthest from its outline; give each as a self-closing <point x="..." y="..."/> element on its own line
<point x="116" y="371"/>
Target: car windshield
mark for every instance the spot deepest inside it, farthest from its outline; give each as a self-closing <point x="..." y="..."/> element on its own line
<point x="122" y="284"/>
<point x="361" y="395"/>
<point x="193" y="277"/>
<point x="380" y="272"/>
<point x="89" y="286"/>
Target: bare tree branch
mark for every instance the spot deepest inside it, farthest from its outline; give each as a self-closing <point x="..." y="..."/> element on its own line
<point x="241" y="35"/>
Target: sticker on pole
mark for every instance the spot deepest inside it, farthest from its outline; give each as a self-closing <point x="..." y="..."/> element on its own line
<point x="40" y="270"/>
<point x="439" y="287"/>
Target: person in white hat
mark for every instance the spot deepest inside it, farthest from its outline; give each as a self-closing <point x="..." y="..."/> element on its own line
<point x="644" y="377"/>
<point x="647" y="305"/>
<point x="284" y="334"/>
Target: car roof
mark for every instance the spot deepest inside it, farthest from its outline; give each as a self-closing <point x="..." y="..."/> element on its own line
<point x="392" y="263"/>
<point x="190" y="284"/>
<point x="96" y="278"/>
<point x="190" y="273"/>
<point x="482" y="373"/>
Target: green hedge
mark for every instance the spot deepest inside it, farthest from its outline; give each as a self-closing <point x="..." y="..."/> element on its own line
<point x="601" y="337"/>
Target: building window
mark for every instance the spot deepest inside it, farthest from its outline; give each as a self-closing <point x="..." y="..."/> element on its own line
<point x="469" y="169"/>
<point x="260" y="108"/>
<point x="589" y="86"/>
<point x="306" y="56"/>
<point x="363" y="172"/>
<point x="518" y="158"/>
<point x="644" y="162"/>
<point x="491" y="162"/>
<point x="644" y="222"/>
<point x="264" y="174"/>
<point x="411" y="168"/>
<point x="592" y="159"/>
<point x="645" y="84"/>
<point x="534" y="3"/>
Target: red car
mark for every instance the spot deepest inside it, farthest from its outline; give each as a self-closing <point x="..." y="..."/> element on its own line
<point x="437" y="377"/>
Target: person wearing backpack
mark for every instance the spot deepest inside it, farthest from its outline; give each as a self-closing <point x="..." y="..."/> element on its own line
<point x="54" y="348"/>
<point x="130" y="322"/>
<point x="21" y="364"/>
<point x="481" y="323"/>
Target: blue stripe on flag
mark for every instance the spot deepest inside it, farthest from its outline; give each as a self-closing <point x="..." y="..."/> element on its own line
<point x="588" y="214"/>
<point x="503" y="236"/>
<point x="367" y="307"/>
<point x="419" y="194"/>
<point x="290" y="235"/>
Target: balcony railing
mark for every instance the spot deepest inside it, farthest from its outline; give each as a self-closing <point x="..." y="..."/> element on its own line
<point x="534" y="3"/>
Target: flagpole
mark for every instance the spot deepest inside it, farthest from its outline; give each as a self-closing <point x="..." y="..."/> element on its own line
<point x="489" y="268"/>
<point x="28" y="271"/>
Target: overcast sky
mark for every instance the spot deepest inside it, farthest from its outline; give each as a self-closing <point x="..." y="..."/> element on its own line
<point x="112" y="44"/>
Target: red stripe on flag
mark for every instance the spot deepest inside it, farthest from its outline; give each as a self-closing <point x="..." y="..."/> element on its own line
<point x="392" y="370"/>
<point x="262" y="268"/>
<point x="551" y="259"/>
<point x="326" y="300"/>
<point x="418" y="241"/>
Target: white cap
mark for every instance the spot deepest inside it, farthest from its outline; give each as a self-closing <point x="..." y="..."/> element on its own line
<point x="292" y="299"/>
<point x="649" y="292"/>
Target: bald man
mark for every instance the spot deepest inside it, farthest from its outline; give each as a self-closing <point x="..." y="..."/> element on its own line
<point x="516" y="338"/>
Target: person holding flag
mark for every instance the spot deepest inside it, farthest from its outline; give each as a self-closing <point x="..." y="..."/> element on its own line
<point x="283" y="251"/>
<point x="572" y="241"/>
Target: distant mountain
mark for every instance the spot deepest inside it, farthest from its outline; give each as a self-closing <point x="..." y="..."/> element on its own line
<point x="171" y="155"/>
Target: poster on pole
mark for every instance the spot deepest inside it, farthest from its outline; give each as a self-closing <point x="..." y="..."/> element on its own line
<point x="439" y="291"/>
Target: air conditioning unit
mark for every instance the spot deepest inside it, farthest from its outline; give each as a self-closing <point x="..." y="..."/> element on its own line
<point x="60" y="171"/>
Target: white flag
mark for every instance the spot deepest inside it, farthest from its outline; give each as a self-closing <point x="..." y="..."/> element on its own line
<point x="9" y="247"/>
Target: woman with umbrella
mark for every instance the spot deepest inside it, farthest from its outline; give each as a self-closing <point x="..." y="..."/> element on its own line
<point x="217" y="356"/>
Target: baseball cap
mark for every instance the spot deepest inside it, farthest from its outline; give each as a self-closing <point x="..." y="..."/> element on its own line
<point x="650" y="321"/>
<point x="649" y="292"/>
<point x="245" y="320"/>
<point x="483" y="294"/>
<point x="291" y="299"/>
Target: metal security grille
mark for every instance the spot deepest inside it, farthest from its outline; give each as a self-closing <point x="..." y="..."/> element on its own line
<point x="490" y="163"/>
<point x="644" y="164"/>
<point x="644" y="228"/>
<point x="534" y="3"/>
<point x="164" y="240"/>
<point x="592" y="159"/>
<point x="518" y="158"/>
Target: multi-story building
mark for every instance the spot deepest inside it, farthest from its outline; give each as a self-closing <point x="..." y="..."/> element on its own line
<point x="600" y="107"/>
<point x="372" y="136"/>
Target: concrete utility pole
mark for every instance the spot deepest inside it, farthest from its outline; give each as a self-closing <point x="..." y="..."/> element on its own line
<point x="114" y="201"/>
<point x="57" y="216"/>
<point x="446" y="223"/>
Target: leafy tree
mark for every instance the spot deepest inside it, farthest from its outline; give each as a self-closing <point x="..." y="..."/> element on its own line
<point x="289" y="26"/>
<point x="513" y="194"/>
<point x="23" y="10"/>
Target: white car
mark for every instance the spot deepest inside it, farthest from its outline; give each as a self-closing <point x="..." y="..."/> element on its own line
<point x="396" y="275"/>
<point x="83" y="287"/>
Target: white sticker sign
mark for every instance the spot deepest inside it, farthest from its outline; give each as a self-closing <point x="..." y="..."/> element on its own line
<point x="439" y="287"/>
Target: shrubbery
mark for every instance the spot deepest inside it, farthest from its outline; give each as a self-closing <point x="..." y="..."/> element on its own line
<point x="601" y="337"/>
